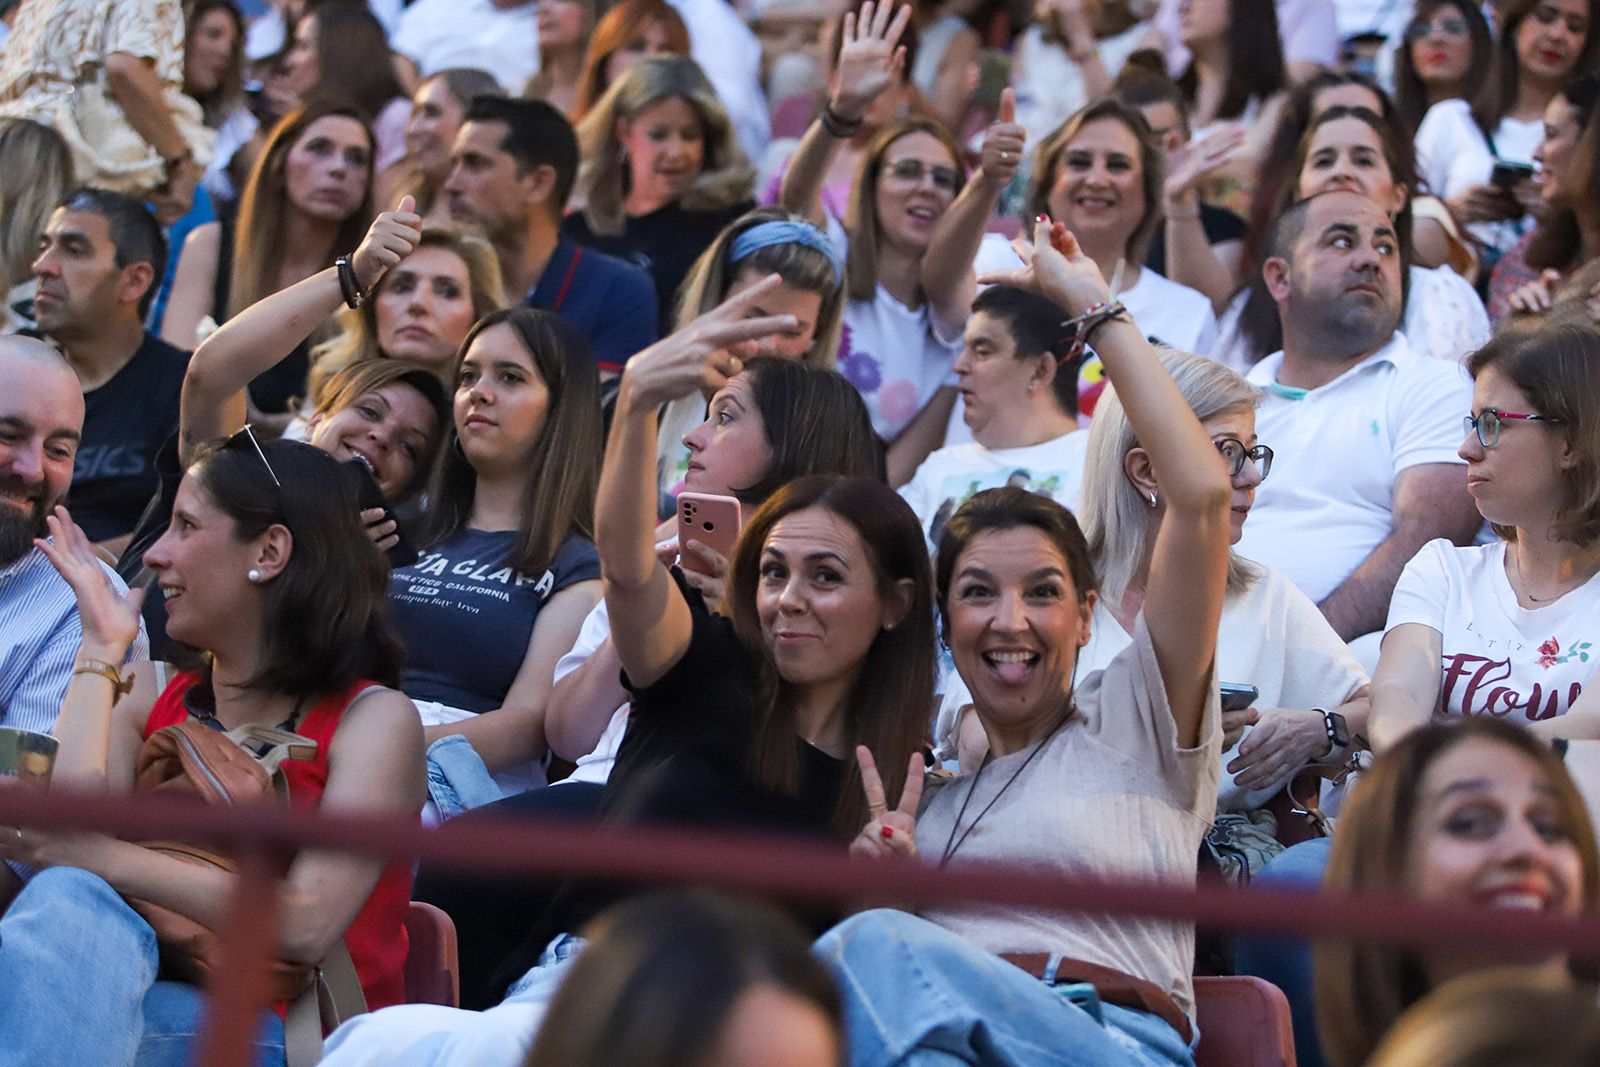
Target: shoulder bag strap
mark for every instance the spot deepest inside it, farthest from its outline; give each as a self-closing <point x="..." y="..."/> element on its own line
<point x="334" y="996"/>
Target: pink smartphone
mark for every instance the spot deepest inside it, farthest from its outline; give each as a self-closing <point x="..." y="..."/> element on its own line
<point x="711" y="520"/>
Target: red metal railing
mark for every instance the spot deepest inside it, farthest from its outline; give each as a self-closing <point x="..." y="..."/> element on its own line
<point x="798" y="871"/>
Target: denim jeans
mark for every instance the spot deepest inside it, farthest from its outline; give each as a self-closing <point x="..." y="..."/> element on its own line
<point x="457" y="779"/>
<point x="914" y="993"/>
<point x="1286" y="962"/>
<point x="78" y="983"/>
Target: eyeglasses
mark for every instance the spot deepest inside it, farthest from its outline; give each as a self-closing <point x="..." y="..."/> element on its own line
<point x="1450" y="27"/>
<point x="1235" y="453"/>
<point x="1487" y="424"/>
<point x="247" y="434"/>
<point x="912" y="171"/>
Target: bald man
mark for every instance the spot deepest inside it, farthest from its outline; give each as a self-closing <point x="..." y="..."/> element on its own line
<point x="41" y="422"/>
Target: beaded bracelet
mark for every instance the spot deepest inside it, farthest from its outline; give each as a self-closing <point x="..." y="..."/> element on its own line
<point x="1095" y="317"/>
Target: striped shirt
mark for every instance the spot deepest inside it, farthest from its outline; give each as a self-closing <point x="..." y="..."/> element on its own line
<point x="39" y="638"/>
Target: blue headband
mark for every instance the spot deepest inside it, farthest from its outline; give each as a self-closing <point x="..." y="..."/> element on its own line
<point x="784" y="232"/>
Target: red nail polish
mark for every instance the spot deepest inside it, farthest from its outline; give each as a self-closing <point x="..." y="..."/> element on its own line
<point x="887" y="832"/>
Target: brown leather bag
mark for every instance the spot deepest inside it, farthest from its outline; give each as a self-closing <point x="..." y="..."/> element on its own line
<point x="191" y="759"/>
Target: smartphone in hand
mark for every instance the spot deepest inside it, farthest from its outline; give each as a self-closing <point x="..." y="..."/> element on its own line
<point x="711" y="520"/>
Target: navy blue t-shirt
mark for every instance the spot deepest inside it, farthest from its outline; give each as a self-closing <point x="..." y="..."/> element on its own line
<point x="466" y="616"/>
<point x="125" y="422"/>
<point x="611" y="303"/>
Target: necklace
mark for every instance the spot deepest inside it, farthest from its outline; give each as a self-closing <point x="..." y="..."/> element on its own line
<point x="954" y="842"/>
<point x="1516" y="561"/>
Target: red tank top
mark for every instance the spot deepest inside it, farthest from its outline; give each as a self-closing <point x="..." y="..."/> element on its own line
<point x="377" y="935"/>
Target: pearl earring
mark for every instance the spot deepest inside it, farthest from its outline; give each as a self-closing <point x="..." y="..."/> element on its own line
<point x="254" y="576"/>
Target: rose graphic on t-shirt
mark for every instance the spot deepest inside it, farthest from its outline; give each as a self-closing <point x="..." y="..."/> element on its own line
<point x="1548" y="652"/>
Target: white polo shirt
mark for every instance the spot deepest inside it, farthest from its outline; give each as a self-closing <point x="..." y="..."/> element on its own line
<point x="1337" y="450"/>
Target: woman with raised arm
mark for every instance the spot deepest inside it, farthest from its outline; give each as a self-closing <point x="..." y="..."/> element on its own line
<point x="308" y="201"/>
<point x="1112" y="773"/>
<point x="906" y="307"/>
<point x="745" y="720"/>
<point x="270" y="579"/>
<point x="397" y="439"/>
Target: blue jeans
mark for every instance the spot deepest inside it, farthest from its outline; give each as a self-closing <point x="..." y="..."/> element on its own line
<point x="78" y="982"/>
<point x="914" y="993"/>
<point x="1286" y="962"/>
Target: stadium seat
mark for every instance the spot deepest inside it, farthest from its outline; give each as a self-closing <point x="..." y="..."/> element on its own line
<point x="1244" y="1022"/>
<point x="432" y="973"/>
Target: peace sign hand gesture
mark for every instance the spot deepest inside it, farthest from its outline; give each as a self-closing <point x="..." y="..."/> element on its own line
<point x="109" y="619"/>
<point x="888" y="833"/>
<point x="870" y="57"/>
<point x="704" y="354"/>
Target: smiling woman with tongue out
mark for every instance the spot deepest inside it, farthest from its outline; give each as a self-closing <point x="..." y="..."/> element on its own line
<point x="1112" y="773"/>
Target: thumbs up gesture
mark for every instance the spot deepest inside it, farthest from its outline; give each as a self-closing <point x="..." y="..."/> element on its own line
<point x="1002" y="145"/>
<point x="391" y="237"/>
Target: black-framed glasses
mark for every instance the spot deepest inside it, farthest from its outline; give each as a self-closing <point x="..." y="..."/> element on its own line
<point x="1234" y="453"/>
<point x="1486" y="424"/>
<point x="911" y="171"/>
<point x="1450" y="26"/>
<point x="247" y="434"/>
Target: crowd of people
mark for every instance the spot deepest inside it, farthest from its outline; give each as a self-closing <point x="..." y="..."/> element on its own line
<point x="1149" y="439"/>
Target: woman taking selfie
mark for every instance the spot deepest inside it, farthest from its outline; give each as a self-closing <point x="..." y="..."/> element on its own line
<point x="266" y="570"/>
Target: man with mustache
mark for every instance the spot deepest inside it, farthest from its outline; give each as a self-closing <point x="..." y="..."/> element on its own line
<point x="100" y="260"/>
<point x="1364" y="430"/>
<point x="41" y="421"/>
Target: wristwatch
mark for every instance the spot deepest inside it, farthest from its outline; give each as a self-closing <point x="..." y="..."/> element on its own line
<point x="1338" y="731"/>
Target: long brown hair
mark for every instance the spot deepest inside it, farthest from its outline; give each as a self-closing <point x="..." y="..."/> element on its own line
<point x="1361" y="989"/>
<point x="861" y="220"/>
<point x="563" y="474"/>
<point x="887" y="708"/>
<point x="1410" y="94"/>
<point x="1498" y="93"/>
<point x="258" y="249"/>
<point x="1557" y="242"/>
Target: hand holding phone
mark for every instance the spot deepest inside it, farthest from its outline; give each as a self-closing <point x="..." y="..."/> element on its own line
<point x="714" y="521"/>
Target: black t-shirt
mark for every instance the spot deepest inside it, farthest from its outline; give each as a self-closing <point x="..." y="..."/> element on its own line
<point x="1220" y="225"/>
<point x="685" y="759"/>
<point x="666" y="242"/>
<point x="125" y="422"/>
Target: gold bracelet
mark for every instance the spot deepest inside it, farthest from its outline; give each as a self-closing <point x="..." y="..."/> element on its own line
<point x="108" y="671"/>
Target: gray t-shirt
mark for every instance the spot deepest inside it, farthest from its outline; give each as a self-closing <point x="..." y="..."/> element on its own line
<point x="1111" y="795"/>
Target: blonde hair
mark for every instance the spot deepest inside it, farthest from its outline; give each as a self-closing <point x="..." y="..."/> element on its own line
<point x="35" y="175"/>
<point x="1115" y="517"/>
<point x="1495" y="1018"/>
<point x="726" y="176"/>
<point x="357" y="338"/>
<point x="258" y="249"/>
<point x="861" y="220"/>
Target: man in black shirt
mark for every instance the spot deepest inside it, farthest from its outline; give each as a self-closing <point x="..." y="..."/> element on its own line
<point x="100" y="259"/>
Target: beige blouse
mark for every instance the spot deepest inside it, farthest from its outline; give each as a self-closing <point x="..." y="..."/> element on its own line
<point x="53" y="72"/>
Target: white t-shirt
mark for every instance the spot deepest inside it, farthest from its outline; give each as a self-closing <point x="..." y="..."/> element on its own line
<point x="440" y="34"/>
<point x="1453" y="155"/>
<point x="1338" y="449"/>
<point x="1444" y="319"/>
<point x="1309" y="30"/>
<point x="951" y="475"/>
<point x="1525" y="664"/>
<point x="1112" y="795"/>
<point x="596" y="766"/>
<point x="1271" y="636"/>
<point x="896" y="357"/>
<point x="1049" y="85"/>
<point x="1168" y="313"/>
